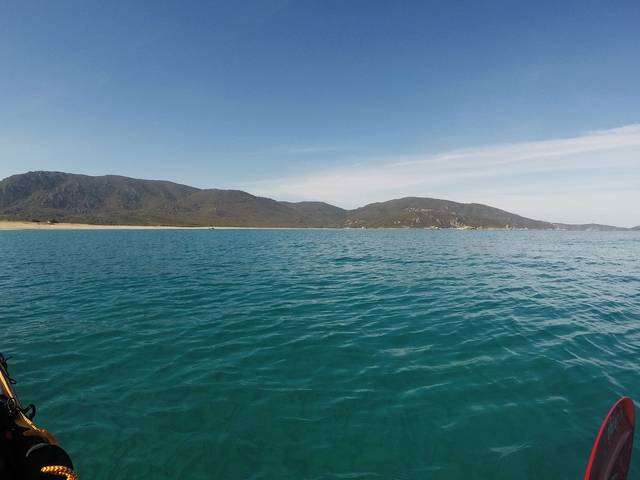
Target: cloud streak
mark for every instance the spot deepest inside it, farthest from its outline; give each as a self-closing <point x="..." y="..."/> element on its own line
<point x="575" y="179"/>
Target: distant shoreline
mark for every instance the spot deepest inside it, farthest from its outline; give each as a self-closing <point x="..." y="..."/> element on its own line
<point x="18" y="225"/>
<point x="8" y="225"/>
<point x="24" y="225"/>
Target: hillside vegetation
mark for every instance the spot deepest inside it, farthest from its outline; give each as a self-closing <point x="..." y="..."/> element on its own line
<point x="111" y="199"/>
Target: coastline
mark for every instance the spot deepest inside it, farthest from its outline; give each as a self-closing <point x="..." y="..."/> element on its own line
<point x="6" y="225"/>
<point x="9" y="225"/>
<point x="18" y="225"/>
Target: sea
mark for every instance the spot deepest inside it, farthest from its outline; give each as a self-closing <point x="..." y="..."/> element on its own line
<point x="322" y="354"/>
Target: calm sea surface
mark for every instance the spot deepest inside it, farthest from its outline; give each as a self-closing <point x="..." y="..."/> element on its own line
<point x="318" y="354"/>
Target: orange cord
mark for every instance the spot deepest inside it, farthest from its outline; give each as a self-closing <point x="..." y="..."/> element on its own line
<point x="61" y="471"/>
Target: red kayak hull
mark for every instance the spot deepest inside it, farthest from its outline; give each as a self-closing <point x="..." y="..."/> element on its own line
<point x="611" y="453"/>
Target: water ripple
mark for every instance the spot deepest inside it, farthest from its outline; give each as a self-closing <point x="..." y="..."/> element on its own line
<point x="323" y="354"/>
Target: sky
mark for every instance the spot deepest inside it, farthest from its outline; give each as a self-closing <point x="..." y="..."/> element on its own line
<point x="533" y="107"/>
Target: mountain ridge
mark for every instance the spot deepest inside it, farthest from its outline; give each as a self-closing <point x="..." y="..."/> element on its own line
<point x="115" y="199"/>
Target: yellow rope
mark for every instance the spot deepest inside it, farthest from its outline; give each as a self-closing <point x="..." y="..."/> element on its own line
<point x="61" y="471"/>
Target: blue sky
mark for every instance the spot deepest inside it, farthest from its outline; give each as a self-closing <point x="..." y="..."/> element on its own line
<point x="345" y="101"/>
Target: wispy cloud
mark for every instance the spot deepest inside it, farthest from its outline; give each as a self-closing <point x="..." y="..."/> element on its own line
<point x="582" y="171"/>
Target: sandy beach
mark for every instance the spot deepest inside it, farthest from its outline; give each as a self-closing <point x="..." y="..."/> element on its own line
<point x="23" y="225"/>
<point x="17" y="225"/>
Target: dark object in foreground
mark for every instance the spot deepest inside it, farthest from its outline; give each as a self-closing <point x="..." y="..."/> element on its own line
<point x="611" y="453"/>
<point x="27" y="452"/>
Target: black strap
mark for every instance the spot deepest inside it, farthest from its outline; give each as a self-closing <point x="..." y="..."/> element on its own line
<point x="29" y="411"/>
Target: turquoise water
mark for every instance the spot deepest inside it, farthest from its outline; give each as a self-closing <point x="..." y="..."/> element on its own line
<point x="293" y="354"/>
